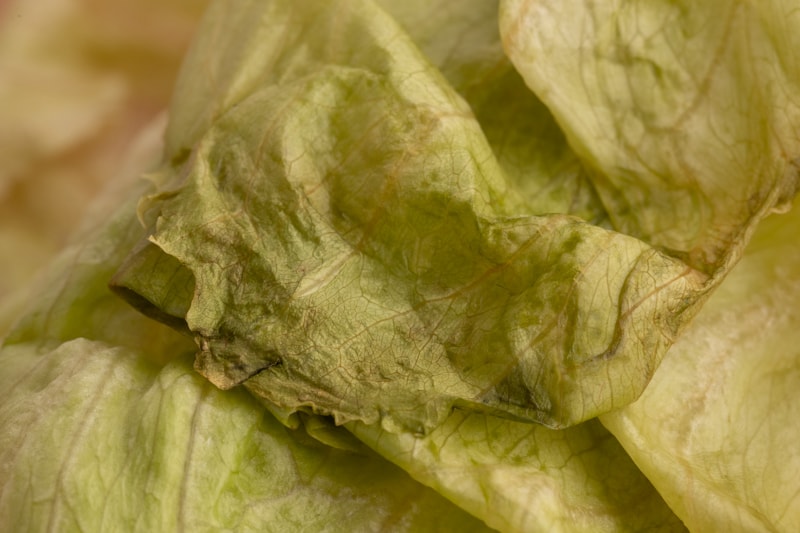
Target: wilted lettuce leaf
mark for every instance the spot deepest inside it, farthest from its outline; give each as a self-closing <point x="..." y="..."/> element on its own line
<point x="359" y="215"/>
<point x="462" y="40"/>
<point x="105" y="426"/>
<point x="358" y="250"/>
<point x="516" y="476"/>
<point x="717" y="429"/>
<point x="691" y="110"/>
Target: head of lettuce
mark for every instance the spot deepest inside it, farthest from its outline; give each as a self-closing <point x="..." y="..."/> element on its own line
<point x="434" y="240"/>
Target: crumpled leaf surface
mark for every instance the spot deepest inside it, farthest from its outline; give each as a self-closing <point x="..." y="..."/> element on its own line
<point x="104" y="425"/>
<point x="363" y="166"/>
<point x="717" y="428"/>
<point x="359" y="251"/>
<point x="462" y="40"/>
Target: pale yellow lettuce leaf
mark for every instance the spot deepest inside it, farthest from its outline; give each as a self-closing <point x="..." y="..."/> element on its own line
<point x="717" y="429"/>
<point x="687" y="114"/>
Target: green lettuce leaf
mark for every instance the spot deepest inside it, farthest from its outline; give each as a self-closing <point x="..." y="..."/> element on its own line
<point x="365" y="217"/>
<point x="358" y="250"/>
<point x="686" y="114"/>
<point x="521" y="477"/>
<point x="105" y="426"/>
<point x="95" y="438"/>
<point x="717" y="429"/>
<point x="462" y="40"/>
<point x="516" y="476"/>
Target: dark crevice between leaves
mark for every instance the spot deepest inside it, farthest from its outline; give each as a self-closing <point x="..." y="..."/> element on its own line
<point x="149" y="309"/>
<point x="156" y="284"/>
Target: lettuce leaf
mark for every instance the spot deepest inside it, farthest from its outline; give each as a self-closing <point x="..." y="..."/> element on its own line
<point x="97" y="438"/>
<point x="462" y="41"/>
<point x="521" y="477"/>
<point x="415" y="237"/>
<point x="357" y="250"/>
<point x="686" y="115"/>
<point x="716" y="430"/>
<point x="105" y="426"/>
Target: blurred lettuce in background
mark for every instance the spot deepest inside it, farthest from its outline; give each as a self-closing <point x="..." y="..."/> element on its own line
<point x="77" y="80"/>
<point x="433" y="241"/>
